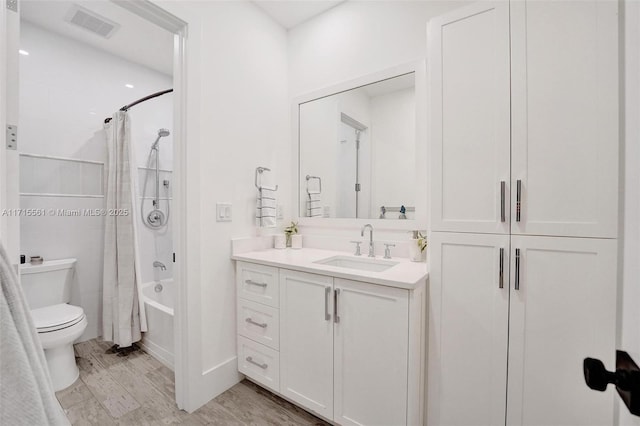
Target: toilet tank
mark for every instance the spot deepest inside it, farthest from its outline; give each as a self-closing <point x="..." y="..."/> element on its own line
<point x="48" y="283"/>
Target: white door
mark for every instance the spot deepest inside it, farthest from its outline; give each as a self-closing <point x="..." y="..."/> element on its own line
<point x="468" y="327"/>
<point x="563" y="309"/>
<point x="371" y="354"/>
<point x="565" y="117"/>
<point x="468" y="60"/>
<point x="306" y="340"/>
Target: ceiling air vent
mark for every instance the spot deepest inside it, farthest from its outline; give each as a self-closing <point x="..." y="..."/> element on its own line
<point x="91" y="21"/>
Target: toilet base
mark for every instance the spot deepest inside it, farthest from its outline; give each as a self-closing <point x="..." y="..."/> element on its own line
<point x="62" y="366"/>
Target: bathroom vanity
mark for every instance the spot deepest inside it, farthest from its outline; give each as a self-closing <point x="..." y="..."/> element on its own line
<point x="342" y="336"/>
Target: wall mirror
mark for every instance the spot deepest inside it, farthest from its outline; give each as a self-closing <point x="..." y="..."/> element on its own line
<point x="357" y="151"/>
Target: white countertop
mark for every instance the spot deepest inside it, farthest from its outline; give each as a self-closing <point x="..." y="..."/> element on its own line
<point x="406" y="274"/>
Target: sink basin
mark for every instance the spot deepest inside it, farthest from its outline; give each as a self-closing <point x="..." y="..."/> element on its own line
<point x="365" y="264"/>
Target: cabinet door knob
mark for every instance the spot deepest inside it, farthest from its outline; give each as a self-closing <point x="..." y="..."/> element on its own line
<point x="518" y="199"/>
<point x="517" y="281"/>
<point x="503" y="188"/>
<point x="501" y="272"/>
<point x="336" y="317"/>
<point x="327" y="315"/>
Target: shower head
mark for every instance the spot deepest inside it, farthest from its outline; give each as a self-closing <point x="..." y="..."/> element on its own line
<point x="161" y="133"/>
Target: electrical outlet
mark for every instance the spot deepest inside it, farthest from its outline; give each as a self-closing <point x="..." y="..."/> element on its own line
<point x="223" y="212"/>
<point x="279" y="213"/>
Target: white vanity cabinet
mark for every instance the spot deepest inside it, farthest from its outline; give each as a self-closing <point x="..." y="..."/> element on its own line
<point x="350" y="351"/>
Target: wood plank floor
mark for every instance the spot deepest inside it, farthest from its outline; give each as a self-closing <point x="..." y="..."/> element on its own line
<point x="138" y="390"/>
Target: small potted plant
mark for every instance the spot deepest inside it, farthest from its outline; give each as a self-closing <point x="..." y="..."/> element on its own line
<point x="417" y="247"/>
<point x="290" y="231"/>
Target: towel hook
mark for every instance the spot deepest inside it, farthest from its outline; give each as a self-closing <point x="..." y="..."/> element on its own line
<point x="309" y="177"/>
<point x="259" y="171"/>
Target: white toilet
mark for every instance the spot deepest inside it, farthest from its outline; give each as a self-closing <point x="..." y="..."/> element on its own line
<point x="47" y="288"/>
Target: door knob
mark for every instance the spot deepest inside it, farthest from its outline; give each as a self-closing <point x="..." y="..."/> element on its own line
<point x="596" y="375"/>
<point x="626" y="378"/>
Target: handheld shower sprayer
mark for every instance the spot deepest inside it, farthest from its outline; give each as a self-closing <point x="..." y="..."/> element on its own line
<point x="156" y="218"/>
<point x="161" y="134"/>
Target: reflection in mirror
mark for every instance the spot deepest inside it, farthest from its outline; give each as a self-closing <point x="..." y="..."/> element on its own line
<point x="357" y="152"/>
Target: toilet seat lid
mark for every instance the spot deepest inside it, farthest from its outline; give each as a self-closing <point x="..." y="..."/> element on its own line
<point x="56" y="316"/>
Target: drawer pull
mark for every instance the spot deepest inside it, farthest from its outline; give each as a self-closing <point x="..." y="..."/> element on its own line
<point x="251" y="361"/>
<point x="259" y="324"/>
<point x="336" y="317"/>
<point x="251" y="282"/>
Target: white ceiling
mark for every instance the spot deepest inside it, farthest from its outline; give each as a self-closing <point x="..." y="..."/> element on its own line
<point x="290" y="13"/>
<point x="136" y="40"/>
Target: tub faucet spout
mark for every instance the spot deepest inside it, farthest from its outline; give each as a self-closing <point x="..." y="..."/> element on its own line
<point x="160" y="265"/>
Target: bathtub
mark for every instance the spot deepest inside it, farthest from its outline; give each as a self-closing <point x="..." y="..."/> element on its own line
<point x="158" y="340"/>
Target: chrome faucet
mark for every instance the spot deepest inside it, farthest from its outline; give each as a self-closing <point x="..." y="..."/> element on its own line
<point x="371" y="250"/>
<point x="160" y="265"/>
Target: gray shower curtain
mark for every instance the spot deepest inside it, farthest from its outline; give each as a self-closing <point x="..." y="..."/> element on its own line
<point x="121" y="308"/>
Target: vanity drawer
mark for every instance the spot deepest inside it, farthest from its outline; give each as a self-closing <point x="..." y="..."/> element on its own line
<point x="258" y="283"/>
<point x="260" y="363"/>
<point x="259" y="322"/>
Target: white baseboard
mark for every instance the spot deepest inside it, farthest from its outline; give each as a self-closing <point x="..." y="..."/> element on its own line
<point x="158" y="352"/>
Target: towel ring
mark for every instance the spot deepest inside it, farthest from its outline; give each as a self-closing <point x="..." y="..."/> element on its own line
<point x="309" y="177"/>
<point x="259" y="171"/>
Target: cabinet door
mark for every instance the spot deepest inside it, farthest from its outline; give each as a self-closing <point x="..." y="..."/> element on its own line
<point x="468" y="329"/>
<point x="306" y="340"/>
<point x="565" y="117"/>
<point x="562" y="311"/>
<point x="371" y="354"/>
<point x="468" y="60"/>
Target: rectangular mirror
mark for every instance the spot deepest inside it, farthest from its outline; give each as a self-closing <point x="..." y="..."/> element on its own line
<point x="357" y="152"/>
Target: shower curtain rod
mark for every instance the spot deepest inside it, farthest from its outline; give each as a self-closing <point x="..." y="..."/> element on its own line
<point x="146" y="98"/>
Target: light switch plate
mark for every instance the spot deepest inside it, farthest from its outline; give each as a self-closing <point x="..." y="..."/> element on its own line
<point x="279" y="214"/>
<point x="223" y="212"/>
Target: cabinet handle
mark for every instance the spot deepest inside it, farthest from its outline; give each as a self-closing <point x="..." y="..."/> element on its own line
<point x="517" y="283"/>
<point x="259" y="324"/>
<point x="501" y="275"/>
<point x="336" y="317"/>
<point x="251" y="361"/>
<point x="518" y="199"/>
<point x="251" y="282"/>
<point x="327" y="315"/>
<point x="503" y="187"/>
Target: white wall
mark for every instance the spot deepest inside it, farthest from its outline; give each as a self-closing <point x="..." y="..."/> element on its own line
<point x="630" y="238"/>
<point x="393" y="138"/>
<point x="357" y="38"/>
<point x="236" y="120"/>
<point x="66" y="91"/>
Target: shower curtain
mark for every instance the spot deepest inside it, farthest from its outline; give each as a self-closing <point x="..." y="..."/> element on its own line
<point x="26" y="392"/>
<point x="122" y="315"/>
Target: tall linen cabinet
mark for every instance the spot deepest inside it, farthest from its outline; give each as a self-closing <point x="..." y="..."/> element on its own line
<point x="523" y="120"/>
